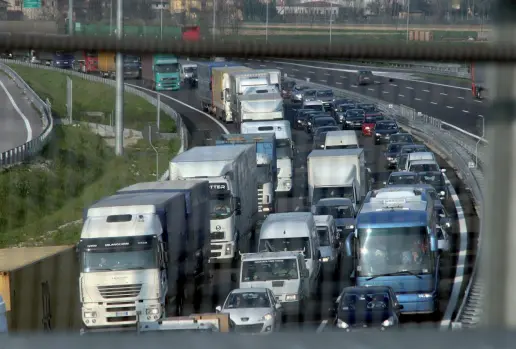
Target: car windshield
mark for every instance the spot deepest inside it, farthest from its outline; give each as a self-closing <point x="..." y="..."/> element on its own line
<point x="394" y="148"/>
<point x="324" y="121"/>
<point x="402" y="179"/>
<point x="263" y="174"/>
<point x="336" y="211"/>
<point x="361" y="302"/>
<point x="393" y="250"/>
<point x="190" y="69"/>
<point x="221" y="206"/>
<point x="368" y="108"/>
<point x="288" y="85"/>
<point x="386" y="126"/>
<point x="324" y="236"/>
<point x="401" y="138"/>
<point x="344" y="107"/>
<point x="413" y="149"/>
<point x="355" y="113"/>
<point x="333" y="192"/>
<point x="423" y="167"/>
<point x="286" y="244"/>
<point x="238" y="300"/>
<point x="370" y="119"/>
<point x="325" y="94"/>
<point x="166" y="68"/>
<point x="435" y="179"/>
<point x="310" y="93"/>
<point x="318" y="107"/>
<point x="326" y="129"/>
<point x="271" y="269"/>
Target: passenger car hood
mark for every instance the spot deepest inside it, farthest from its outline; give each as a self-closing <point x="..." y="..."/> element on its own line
<point x="246" y="316"/>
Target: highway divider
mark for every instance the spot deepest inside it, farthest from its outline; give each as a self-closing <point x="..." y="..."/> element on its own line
<point x="25" y="151"/>
<point x="464" y="151"/>
<point x="182" y="131"/>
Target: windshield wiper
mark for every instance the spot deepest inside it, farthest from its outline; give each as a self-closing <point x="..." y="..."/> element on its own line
<point x="403" y="272"/>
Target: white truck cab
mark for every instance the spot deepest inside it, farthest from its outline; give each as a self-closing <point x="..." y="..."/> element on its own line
<point x="265" y="184"/>
<point x="284" y="273"/>
<point x="187" y="70"/>
<point x="329" y="244"/>
<point x="344" y="139"/>
<point x="284" y="149"/>
<point x="293" y="231"/>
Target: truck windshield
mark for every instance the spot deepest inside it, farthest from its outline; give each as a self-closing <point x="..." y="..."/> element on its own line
<point x="263" y="174"/>
<point x="131" y="59"/>
<point x="98" y="255"/>
<point x="272" y="269"/>
<point x="288" y="244"/>
<point x="424" y="167"/>
<point x="221" y="206"/>
<point x="283" y="148"/>
<point x="393" y="250"/>
<point x="167" y="68"/>
<point x="333" y="192"/>
<point x="190" y="69"/>
<point x="324" y="236"/>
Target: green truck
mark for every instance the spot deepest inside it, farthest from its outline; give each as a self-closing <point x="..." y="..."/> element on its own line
<point x="161" y="72"/>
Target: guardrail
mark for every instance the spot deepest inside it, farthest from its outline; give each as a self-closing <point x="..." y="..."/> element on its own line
<point x="466" y="152"/>
<point x="180" y="127"/>
<point x="34" y="146"/>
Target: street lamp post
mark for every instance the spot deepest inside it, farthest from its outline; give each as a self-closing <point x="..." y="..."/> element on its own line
<point x="483" y="135"/>
<point x="267" y="21"/>
<point x="408" y="18"/>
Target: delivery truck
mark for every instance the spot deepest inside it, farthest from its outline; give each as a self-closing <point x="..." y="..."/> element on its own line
<point x="161" y="72"/>
<point x="221" y="92"/>
<point x="260" y="104"/>
<point x="266" y="166"/>
<point x="231" y="172"/>
<point x="205" y="82"/>
<point x="142" y="246"/>
<point x="107" y="65"/>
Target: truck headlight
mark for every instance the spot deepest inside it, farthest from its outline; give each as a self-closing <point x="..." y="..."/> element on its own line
<point x="367" y="128"/>
<point x="424" y="295"/>
<point x="325" y="259"/>
<point x="152" y="311"/>
<point x="388" y="322"/>
<point x="266" y="317"/>
<point x="291" y="297"/>
<point x="89" y="314"/>
<point x="390" y="159"/>
<point x="350" y="227"/>
<point x="342" y="324"/>
<point x="228" y="249"/>
<point x="287" y="184"/>
<point x="442" y="193"/>
<point x="309" y="123"/>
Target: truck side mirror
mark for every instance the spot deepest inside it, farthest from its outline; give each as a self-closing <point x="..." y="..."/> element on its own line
<point x="218" y="308"/>
<point x="238" y="206"/>
<point x="349" y="241"/>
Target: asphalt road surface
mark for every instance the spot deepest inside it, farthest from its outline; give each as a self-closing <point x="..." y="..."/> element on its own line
<point x="20" y="121"/>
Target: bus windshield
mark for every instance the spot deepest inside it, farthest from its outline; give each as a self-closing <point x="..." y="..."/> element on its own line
<point x="393" y="250"/>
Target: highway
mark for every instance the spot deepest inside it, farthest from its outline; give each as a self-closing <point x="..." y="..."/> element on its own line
<point x="446" y="101"/>
<point x="20" y="121"/>
<point x="185" y="103"/>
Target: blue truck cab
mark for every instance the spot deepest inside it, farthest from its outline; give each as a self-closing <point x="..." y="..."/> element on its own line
<point x="166" y="71"/>
<point x="395" y="244"/>
<point x="63" y="60"/>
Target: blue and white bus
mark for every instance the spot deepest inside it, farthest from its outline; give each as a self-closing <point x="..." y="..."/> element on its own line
<point x="395" y="244"/>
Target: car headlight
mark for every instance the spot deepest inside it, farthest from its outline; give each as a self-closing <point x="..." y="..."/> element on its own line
<point x="309" y="123"/>
<point x="378" y="135"/>
<point x="390" y="159"/>
<point x="388" y="322"/>
<point x="152" y="311"/>
<point x="298" y="121"/>
<point x="424" y="295"/>
<point x="89" y="314"/>
<point x="291" y="297"/>
<point x="367" y="128"/>
<point x="342" y="324"/>
<point x="442" y="193"/>
<point x="325" y="259"/>
<point x="350" y="227"/>
<point x="266" y="317"/>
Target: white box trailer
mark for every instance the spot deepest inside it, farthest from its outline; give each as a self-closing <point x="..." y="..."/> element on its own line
<point x="258" y="106"/>
<point x="234" y="204"/>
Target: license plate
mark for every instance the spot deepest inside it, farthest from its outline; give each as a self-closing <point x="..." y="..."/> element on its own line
<point x="122" y="313"/>
<point x="387" y="137"/>
<point x="65" y="62"/>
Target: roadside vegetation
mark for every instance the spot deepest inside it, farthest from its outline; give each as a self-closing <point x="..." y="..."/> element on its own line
<point x="43" y="201"/>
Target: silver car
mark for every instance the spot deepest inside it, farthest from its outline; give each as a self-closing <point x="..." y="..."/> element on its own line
<point x="252" y="310"/>
<point x="297" y="93"/>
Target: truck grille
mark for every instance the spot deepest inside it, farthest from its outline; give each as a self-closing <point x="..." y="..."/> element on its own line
<point x="169" y="79"/>
<point x="120" y="291"/>
<point x="217" y="235"/>
<point x="260" y="198"/>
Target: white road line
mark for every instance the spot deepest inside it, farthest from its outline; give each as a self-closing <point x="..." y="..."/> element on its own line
<point x="327" y="74"/>
<point x="417" y="99"/>
<point x="385" y="92"/>
<point x="480" y="115"/>
<point x="465" y="111"/>
<point x="300" y="197"/>
<point x="460" y="97"/>
<point x="311" y="72"/>
<point x="408" y="87"/>
<point x="297" y="208"/>
<point x="24" y="118"/>
<point x="262" y="65"/>
<point x="338" y="83"/>
<point x="476" y="100"/>
<point x="279" y="68"/>
<point x="377" y="82"/>
<point x="401" y="95"/>
<point x="434" y="103"/>
<point x="394" y="85"/>
<point x="343" y="77"/>
<point x="426" y="90"/>
<point x="266" y="60"/>
<point x="461" y="260"/>
<point x="443" y="94"/>
<point x="449" y="107"/>
<point x="325" y="81"/>
<point x="355" y="86"/>
<point x="321" y="326"/>
<point x="370" y="89"/>
<point x="294" y="69"/>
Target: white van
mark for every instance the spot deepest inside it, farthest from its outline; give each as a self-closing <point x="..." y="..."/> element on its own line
<point x="187" y="70"/>
<point x="293" y="231"/>
<point x="284" y="273"/>
<point x="344" y="139"/>
<point x="427" y="155"/>
<point x="424" y="166"/>
<point x="328" y="242"/>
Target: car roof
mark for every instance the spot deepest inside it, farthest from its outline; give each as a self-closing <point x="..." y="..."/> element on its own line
<point x="247" y="290"/>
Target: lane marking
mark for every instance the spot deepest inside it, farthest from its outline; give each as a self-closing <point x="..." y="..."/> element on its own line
<point x="327" y="74"/>
<point x="480" y="115"/>
<point x="394" y="85"/>
<point x="323" y="81"/>
<point x="465" y="111"/>
<point x="443" y="94"/>
<point x="434" y="103"/>
<point x="401" y="95"/>
<point x="409" y="88"/>
<point x="311" y="72"/>
<point x="262" y="65"/>
<point x="355" y="86"/>
<point x="449" y="107"/>
<point x="460" y="97"/>
<point x="294" y="69"/>
<point x="343" y="77"/>
<point x="377" y="82"/>
<point x="321" y="326"/>
<point x="385" y="92"/>
<point x="417" y="99"/>
<point x="476" y="100"/>
<point x="297" y="208"/>
<point x="24" y="118"/>
<point x="338" y="83"/>
<point x="371" y="89"/>
<point x="426" y="90"/>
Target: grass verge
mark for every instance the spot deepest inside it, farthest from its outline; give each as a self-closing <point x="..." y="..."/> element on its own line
<point x="76" y="169"/>
<point x="89" y="96"/>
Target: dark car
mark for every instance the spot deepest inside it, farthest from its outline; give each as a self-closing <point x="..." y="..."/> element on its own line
<point x="353" y="119"/>
<point x="402" y="178"/>
<point x="310" y="124"/>
<point x="301" y="117"/>
<point x="365" y="77"/>
<point x="391" y="154"/>
<point x="366" y="308"/>
<point x="383" y="130"/>
<point x="322" y="121"/>
<point x="297" y="93"/>
<point x="368" y="108"/>
<point x="402" y="138"/>
<point x="341" y="109"/>
<point x="436" y="180"/>
<point x="286" y="88"/>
